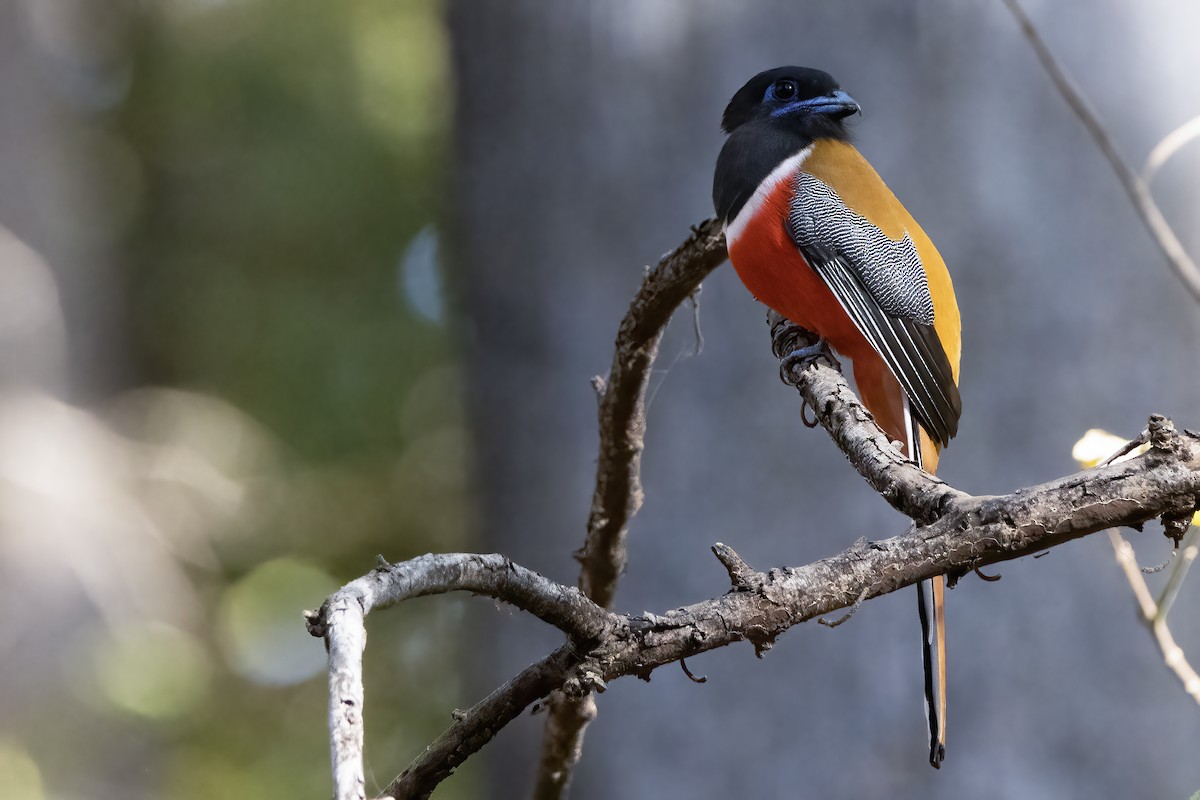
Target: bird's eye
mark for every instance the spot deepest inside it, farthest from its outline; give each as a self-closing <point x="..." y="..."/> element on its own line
<point x="785" y="89"/>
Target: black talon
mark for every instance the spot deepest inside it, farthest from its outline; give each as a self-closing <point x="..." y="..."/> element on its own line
<point x="803" y="357"/>
<point x="808" y="423"/>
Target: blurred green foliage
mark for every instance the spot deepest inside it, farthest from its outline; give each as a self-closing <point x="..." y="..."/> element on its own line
<point x="289" y="153"/>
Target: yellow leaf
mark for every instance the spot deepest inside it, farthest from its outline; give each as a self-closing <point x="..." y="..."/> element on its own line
<point x="1097" y="445"/>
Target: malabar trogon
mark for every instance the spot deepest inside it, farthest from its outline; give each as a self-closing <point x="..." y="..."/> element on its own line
<point x="815" y="234"/>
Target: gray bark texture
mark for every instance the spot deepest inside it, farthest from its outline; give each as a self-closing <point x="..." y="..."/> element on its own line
<point x="586" y="136"/>
<point x="958" y="534"/>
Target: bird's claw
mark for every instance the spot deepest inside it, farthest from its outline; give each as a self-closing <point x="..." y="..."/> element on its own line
<point x="802" y="358"/>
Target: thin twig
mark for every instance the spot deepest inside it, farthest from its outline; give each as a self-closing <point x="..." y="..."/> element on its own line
<point x="697" y="331"/>
<point x="1155" y="616"/>
<point x="618" y="493"/>
<point x="741" y="574"/>
<point x="688" y="672"/>
<point x="475" y="727"/>
<point x="1168" y="146"/>
<point x="1186" y="555"/>
<point x="844" y="617"/>
<point x="1137" y="189"/>
<point x="1126" y="449"/>
<point x="1128" y="562"/>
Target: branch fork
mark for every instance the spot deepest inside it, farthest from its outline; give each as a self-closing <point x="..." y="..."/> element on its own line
<point x="953" y="534"/>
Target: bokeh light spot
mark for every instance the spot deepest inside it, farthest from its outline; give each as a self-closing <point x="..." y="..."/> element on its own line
<point x="20" y="778"/>
<point x="401" y="53"/>
<point x="260" y="624"/>
<point x="420" y="276"/>
<point x="152" y="670"/>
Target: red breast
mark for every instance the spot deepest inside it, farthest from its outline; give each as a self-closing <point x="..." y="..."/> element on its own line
<point x="772" y="268"/>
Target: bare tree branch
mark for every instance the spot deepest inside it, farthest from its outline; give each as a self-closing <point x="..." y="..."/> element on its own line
<point x="475" y="727"/>
<point x="955" y="533"/>
<point x="562" y="745"/>
<point x="962" y="533"/>
<point x="1137" y="189"/>
<point x="1189" y="547"/>
<point x="973" y="532"/>
<point x="340" y="622"/>
<point x="622" y="415"/>
<point x="1155" y="614"/>
<point x="618" y="493"/>
<point x="492" y="575"/>
<point x="617" y="497"/>
<point x="1168" y="146"/>
<point x="908" y="488"/>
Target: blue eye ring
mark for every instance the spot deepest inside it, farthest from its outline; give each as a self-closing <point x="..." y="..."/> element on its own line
<point x="784" y="89"/>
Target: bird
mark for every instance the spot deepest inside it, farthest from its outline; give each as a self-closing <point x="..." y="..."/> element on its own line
<point x="814" y="233"/>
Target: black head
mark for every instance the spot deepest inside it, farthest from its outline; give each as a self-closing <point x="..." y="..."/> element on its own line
<point x="789" y="95"/>
<point x="775" y="115"/>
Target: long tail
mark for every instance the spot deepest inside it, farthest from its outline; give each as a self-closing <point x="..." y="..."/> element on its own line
<point x="931" y="603"/>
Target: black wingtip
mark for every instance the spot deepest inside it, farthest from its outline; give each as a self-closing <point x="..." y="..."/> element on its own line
<point x="945" y="402"/>
<point x="937" y="755"/>
<point x="911" y="349"/>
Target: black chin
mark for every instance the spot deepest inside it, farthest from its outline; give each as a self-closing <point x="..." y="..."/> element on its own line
<point x="827" y="125"/>
<point x="757" y="146"/>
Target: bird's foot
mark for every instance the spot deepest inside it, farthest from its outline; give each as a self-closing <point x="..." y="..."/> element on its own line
<point x="800" y="359"/>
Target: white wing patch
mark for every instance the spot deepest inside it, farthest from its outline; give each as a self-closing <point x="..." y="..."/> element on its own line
<point x="786" y="169"/>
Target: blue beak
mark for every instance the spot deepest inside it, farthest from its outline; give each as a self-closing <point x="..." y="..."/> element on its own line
<point x="837" y="105"/>
<point x="840" y="104"/>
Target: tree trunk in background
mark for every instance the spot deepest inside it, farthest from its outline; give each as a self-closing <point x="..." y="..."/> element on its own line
<point x="67" y="187"/>
<point x="586" y="136"/>
<point x="68" y="190"/>
<point x="31" y="341"/>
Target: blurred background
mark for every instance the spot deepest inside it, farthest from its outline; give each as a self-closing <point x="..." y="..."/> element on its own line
<point x="284" y="285"/>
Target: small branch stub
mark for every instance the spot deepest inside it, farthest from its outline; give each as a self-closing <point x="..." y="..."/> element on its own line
<point x="743" y="578"/>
